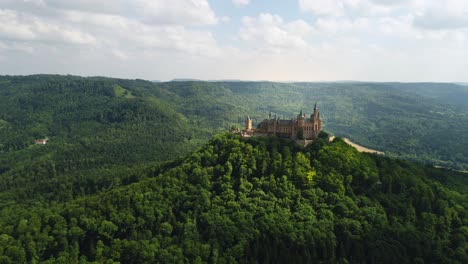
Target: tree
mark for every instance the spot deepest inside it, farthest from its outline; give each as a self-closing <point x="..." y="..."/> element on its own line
<point x="300" y="134"/>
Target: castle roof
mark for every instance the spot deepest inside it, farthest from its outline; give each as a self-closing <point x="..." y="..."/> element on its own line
<point x="285" y="122"/>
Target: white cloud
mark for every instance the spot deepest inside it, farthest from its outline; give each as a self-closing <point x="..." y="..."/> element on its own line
<point x="132" y="34"/>
<point x="271" y="32"/>
<point x="16" y="26"/>
<point x="428" y="14"/>
<point x="240" y="3"/>
<point x="359" y="45"/>
<point x="322" y="7"/>
<point x="411" y="20"/>
<point x="117" y="27"/>
<point x="440" y="15"/>
<point x="440" y="21"/>
<point x="119" y="38"/>
<point x="339" y="8"/>
<point x="16" y="47"/>
<point x="119" y="54"/>
<point x="154" y="39"/>
<point x="186" y="12"/>
<point x="390" y="2"/>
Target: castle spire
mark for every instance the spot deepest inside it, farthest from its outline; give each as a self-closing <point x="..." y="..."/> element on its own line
<point x="300" y="114"/>
<point x="315" y="106"/>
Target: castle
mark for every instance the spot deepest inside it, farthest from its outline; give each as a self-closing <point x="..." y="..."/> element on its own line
<point x="296" y="128"/>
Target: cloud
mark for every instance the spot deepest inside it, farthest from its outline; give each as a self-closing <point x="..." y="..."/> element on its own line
<point x="270" y="31"/>
<point x="17" y="26"/>
<point x="186" y="12"/>
<point x="350" y="44"/>
<point x="390" y="2"/>
<point x="446" y="15"/>
<point x="427" y="14"/>
<point x="240" y="3"/>
<point x="17" y="47"/>
<point x="116" y="38"/>
<point x="124" y="33"/>
<point x="351" y="8"/>
<point x="329" y="39"/>
<point x="113" y="26"/>
<point x="438" y="21"/>
<point x="322" y="7"/>
<point x="399" y="19"/>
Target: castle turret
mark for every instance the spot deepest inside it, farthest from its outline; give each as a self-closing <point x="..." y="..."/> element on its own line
<point x="300" y="119"/>
<point x="248" y="123"/>
<point x="317" y="122"/>
<point x="316" y="111"/>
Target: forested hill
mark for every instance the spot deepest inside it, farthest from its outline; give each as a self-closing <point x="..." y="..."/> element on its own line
<point x="100" y="134"/>
<point x="258" y="200"/>
<point x="137" y="121"/>
<point x="105" y="132"/>
<point x="114" y="182"/>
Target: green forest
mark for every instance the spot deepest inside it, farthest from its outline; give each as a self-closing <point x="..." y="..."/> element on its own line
<point x="142" y="172"/>
<point x="425" y="122"/>
<point x="260" y="200"/>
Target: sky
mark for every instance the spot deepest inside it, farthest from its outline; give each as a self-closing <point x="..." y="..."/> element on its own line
<point x="277" y="40"/>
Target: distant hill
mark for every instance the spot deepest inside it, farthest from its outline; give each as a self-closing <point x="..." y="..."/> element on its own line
<point x="185" y="80"/>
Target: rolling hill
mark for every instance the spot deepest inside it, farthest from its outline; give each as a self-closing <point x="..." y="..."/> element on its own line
<point x="100" y="129"/>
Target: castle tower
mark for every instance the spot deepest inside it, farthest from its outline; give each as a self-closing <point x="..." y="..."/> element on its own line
<point x="316" y="111"/>
<point x="315" y="117"/>
<point x="248" y="123"/>
<point x="300" y="119"/>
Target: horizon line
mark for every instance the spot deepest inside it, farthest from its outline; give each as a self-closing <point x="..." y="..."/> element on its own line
<point x="229" y="79"/>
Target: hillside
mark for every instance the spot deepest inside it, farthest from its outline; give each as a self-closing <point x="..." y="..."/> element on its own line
<point x="102" y="131"/>
<point x="256" y="201"/>
<point x="98" y="131"/>
<point x="425" y="122"/>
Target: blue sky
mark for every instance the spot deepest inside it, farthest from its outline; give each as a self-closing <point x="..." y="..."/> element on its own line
<point x="278" y="40"/>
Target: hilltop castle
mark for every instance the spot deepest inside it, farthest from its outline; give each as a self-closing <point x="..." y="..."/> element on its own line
<point x="295" y="128"/>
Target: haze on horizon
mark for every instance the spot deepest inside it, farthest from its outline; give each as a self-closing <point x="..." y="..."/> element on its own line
<point x="303" y="40"/>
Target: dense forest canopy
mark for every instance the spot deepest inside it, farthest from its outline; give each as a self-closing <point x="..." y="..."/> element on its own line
<point x="259" y="200"/>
